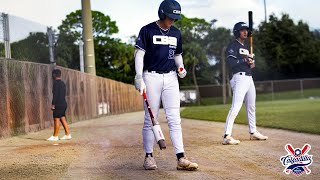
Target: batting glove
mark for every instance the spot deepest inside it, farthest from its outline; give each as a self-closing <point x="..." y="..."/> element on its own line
<point x="251" y="58"/>
<point x="139" y="84"/>
<point x="182" y="72"/>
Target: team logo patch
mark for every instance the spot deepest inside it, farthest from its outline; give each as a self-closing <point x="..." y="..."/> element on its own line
<point x="243" y="51"/>
<point x="231" y="51"/>
<point x="297" y="160"/>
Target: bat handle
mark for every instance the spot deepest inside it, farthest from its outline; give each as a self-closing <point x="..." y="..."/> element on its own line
<point x="162" y="144"/>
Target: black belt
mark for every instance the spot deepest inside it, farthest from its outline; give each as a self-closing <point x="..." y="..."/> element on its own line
<point x="160" y="72"/>
<point x="243" y="73"/>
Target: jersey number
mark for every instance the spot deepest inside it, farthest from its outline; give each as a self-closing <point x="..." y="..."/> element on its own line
<point x="165" y="40"/>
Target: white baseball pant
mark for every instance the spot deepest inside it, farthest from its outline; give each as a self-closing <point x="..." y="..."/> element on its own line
<point x="165" y="88"/>
<point x="243" y="90"/>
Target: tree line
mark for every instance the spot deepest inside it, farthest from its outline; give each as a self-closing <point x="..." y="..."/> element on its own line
<point x="284" y="49"/>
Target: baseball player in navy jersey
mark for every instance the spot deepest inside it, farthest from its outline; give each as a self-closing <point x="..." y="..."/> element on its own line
<point x="158" y="56"/>
<point x="241" y="64"/>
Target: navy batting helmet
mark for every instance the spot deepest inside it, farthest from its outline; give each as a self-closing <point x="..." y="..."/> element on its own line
<point x="238" y="27"/>
<point x="169" y="8"/>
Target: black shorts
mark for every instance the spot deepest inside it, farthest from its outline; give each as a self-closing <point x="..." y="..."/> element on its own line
<point x="60" y="112"/>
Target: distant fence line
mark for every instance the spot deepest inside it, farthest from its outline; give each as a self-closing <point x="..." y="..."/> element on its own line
<point x="273" y="88"/>
<point x="26" y="94"/>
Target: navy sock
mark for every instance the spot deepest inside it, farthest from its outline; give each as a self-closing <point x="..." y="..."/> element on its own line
<point x="149" y="154"/>
<point x="180" y="155"/>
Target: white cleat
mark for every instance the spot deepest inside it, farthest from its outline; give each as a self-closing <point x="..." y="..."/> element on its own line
<point x="53" y="138"/>
<point x="66" y="137"/>
<point x="230" y="141"/>
<point x="150" y="163"/>
<point x="258" y="136"/>
<point x="185" y="164"/>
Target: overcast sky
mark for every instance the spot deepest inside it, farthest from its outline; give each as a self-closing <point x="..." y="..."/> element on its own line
<point x="131" y="15"/>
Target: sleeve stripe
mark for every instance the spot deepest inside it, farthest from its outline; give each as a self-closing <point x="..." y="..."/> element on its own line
<point x="232" y="56"/>
<point x="140" y="48"/>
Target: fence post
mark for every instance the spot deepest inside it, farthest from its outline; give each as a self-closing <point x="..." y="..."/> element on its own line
<point x="81" y="56"/>
<point x="272" y="91"/>
<point x="301" y="88"/>
<point x="50" y="34"/>
<point x="6" y="35"/>
<point x="223" y="64"/>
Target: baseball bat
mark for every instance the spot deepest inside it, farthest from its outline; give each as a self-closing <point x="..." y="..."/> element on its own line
<point x="155" y="126"/>
<point x="250" y="31"/>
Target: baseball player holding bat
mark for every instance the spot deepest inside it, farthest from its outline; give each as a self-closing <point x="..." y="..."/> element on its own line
<point x="241" y="63"/>
<point x="157" y="60"/>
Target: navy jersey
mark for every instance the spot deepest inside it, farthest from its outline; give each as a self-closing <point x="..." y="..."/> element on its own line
<point x="235" y="53"/>
<point x="160" y="47"/>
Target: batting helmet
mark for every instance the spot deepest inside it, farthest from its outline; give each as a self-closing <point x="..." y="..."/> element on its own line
<point x="238" y="27"/>
<point x="169" y="8"/>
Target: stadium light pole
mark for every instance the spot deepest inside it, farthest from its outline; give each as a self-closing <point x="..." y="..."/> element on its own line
<point x="89" y="59"/>
<point x="265" y="11"/>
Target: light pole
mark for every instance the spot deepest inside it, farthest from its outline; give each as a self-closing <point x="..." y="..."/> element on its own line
<point x="265" y="11"/>
<point x="89" y="59"/>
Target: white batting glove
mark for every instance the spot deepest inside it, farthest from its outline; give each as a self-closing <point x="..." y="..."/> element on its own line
<point x="251" y="58"/>
<point x="182" y="72"/>
<point x="139" y="84"/>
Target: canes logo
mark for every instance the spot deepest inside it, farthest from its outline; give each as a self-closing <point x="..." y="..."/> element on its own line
<point x="297" y="160"/>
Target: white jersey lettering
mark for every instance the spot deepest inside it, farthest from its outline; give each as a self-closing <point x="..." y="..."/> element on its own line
<point x="165" y="40"/>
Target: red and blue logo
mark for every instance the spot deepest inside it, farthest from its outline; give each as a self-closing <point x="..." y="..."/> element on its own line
<point x="297" y="160"/>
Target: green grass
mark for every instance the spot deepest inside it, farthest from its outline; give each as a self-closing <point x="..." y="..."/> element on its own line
<point x="266" y="97"/>
<point x="301" y="115"/>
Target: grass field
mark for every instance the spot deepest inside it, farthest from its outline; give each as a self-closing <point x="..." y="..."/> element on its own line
<point x="301" y="115"/>
<point x="268" y="96"/>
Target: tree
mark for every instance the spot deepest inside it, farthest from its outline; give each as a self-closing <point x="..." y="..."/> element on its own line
<point x="33" y="48"/>
<point x="193" y="31"/>
<point x="290" y="50"/>
<point x="114" y="59"/>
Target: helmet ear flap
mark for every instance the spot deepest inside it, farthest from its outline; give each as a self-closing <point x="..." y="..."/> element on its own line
<point x="161" y="14"/>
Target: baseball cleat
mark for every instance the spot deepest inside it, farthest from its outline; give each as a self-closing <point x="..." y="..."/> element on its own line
<point x="230" y="141"/>
<point x="258" y="136"/>
<point x="185" y="164"/>
<point x="149" y="163"/>
<point x="53" y="138"/>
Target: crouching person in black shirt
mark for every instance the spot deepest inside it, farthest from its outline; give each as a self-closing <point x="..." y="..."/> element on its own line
<point x="59" y="106"/>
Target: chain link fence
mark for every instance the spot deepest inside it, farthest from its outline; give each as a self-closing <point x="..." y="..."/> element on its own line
<point x="26" y="94"/>
<point x="266" y="91"/>
<point x="24" y="40"/>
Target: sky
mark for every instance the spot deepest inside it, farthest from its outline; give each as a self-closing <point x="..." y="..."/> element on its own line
<point x="131" y="15"/>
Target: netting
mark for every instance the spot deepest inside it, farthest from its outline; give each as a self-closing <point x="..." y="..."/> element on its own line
<point x="26" y="94"/>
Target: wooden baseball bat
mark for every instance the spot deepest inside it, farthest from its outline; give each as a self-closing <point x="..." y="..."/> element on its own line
<point x="155" y="126"/>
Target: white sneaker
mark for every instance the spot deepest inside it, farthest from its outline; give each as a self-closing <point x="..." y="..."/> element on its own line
<point x="185" y="164"/>
<point x="53" y="138"/>
<point x="258" y="136"/>
<point x="230" y="141"/>
<point x="150" y="163"/>
<point x="66" y="137"/>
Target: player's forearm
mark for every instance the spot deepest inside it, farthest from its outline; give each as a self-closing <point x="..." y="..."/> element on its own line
<point x="138" y="60"/>
<point x="178" y="61"/>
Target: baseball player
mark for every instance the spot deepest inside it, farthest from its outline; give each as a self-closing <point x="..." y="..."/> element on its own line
<point x="157" y="59"/>
<point x="241" y="64"/>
